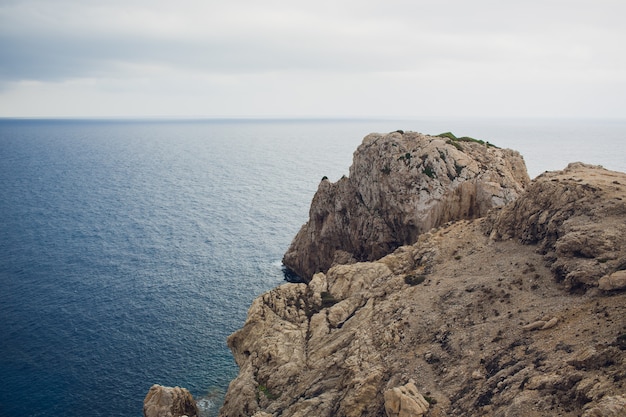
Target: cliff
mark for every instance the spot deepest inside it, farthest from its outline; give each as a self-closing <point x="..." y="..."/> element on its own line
<point x="400" y="186"/>
<point x="519" y="312"/>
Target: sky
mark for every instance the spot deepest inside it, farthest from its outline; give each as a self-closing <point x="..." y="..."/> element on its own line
<point x="322" y="58"/>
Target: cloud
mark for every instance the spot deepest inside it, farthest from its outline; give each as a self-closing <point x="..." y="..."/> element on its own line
<point x="237" y="48"/>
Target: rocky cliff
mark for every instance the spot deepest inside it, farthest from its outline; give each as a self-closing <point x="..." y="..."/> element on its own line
<point x="520" y="312"/>
<point x="401" y="185"/>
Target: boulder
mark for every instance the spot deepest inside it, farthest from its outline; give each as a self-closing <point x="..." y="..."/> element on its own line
<point x="405" y="401"/>
<point x="169" y="402"/>
<point x="614" y="281"/>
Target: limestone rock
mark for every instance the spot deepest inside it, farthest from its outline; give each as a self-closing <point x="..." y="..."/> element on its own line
<point x="576" y="217"/>
<point x="169" y="402"/>
<point x="405" y="401"/>
<point x="269" y="349"/>
<point x="592" y="358"/>
<point x="542" y="324"/>
<point x="614" y="281"/>
<point x="346" y="342"/>
<point x="400" y="186"/>
<point x="613" y="406"/>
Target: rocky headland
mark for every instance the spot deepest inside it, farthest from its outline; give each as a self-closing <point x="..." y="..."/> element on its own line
<point x="401" y="185"/>
<point x="441" y="282"/>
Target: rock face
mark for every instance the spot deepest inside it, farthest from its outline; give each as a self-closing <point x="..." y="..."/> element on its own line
<point x="169" y="402"/>
<point x="405" y="401"/>
<point x="576" y="217"/>
<point x="501" y="316"/>
<point x="400" y="186"/>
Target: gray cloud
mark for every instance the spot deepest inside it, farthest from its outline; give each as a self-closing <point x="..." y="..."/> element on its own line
<point x="236" y="43"/>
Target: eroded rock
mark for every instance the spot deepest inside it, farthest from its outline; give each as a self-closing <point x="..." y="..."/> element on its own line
<point x="576" y="217"/>
<point x="405" y="401"/>
<point x="400" y="186"/>
<point x="611" y="406"/>
<point x="336" y="346"/>
<point x="614" y="281"/>
<point x="169" y="402"/>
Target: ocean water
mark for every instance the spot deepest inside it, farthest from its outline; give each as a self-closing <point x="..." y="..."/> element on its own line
<point x="130" y="249"/>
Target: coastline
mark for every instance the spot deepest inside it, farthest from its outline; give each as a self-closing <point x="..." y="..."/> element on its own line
<point x="93" y="165"/>
<point x="414" y="325"/>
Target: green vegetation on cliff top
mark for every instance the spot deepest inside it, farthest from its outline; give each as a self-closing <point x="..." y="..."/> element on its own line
<point x="452" y="138"/>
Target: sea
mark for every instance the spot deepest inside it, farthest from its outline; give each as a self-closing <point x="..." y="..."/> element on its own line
<point x="131" y="248"/>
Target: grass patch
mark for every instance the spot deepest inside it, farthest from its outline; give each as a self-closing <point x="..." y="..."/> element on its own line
<point x="262" y="389"/>
<point x="448" y="135"/>
<point x="453" y="140"/>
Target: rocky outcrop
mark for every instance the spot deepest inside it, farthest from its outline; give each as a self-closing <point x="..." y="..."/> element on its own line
<point x="405" y="401"/>
<point x="614" y="281"/>
<point x="608" y="407"/>
<point x="490" y="316"/>
<point x="400" y="186"/>
<point x="576" y="217"/>
<point x="169" y="402"/>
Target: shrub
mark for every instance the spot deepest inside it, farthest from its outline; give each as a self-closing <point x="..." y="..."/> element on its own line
<point x="458" y="168"/>
<point x="265" y="391"/>
<point x="406" y="158"/>
<point x="328" y="300"/>
<point x="455" y="144"/>
<point x="448" y="135"/>
<point x="430" y="400"/>
<point x="414" y="279"/>
<point x="428" y="170"/>
<point x="452" y="140"/>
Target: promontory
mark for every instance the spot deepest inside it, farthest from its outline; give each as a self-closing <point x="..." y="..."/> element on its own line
<point x="441" y="281"/>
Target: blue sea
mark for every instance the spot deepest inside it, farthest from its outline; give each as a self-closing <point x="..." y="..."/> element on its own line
<point x="130" y="249"/>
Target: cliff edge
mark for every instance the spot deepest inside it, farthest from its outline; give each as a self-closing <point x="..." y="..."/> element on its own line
<point x="400" y="186"/>
<point x="519" y="312"/>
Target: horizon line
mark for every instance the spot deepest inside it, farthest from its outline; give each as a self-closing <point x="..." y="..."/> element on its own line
<point x="260" y="118"/>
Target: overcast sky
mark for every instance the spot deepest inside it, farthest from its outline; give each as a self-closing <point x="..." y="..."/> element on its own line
<point x="339" y="58"/>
